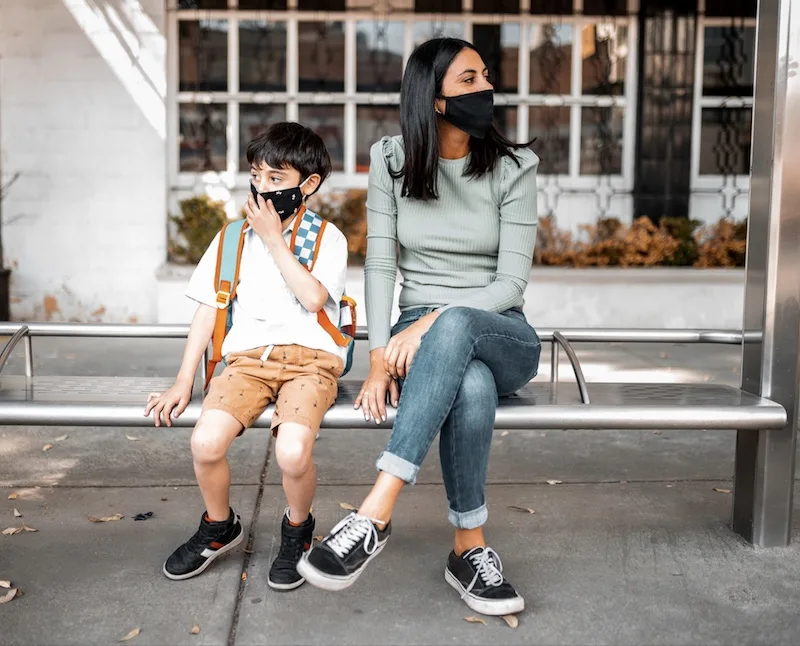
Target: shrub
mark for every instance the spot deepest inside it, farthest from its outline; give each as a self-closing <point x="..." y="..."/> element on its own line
<point x="200" y="220"/>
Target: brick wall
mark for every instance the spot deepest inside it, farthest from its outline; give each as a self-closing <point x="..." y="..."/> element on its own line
<point x="82" y="120"/>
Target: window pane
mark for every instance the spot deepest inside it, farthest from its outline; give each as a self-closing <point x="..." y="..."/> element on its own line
<point x="601" y="141"/>
<point x="495" y="6"/>
<point x="499" y="48"/>
<point x="550" y="126"/>
<point x="437" y="6"/>
<point x="728" y="54"/>
<point x="437" y="29"/>
<point x="262" y="5"/>
<point x="262" y="56"/>
<point x="254" y="118"/>
<point x="321" y="5"/>
<point x="203" y="56"/>
<point x="203" y="145"/>
<point x="203" y="4"/>
<point x="321" y="59"/>
<point x="506" y="118"/>
<point x="552" y="8"/>
<point x="731" y="8"/>
<point x="328" y="122"/>
<point x="725" y="141"/>
<point x="372" y="123"/>
<point x="605" y="7"/>
<point x="551" y="58"/>
<point x="605" y="56"/>
<point x="379" y="56"/>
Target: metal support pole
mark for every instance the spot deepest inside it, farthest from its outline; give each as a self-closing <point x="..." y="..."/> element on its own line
<point x="554" y="352"/>
<point x="28" y="356"/>
<point x="765" y="460"/>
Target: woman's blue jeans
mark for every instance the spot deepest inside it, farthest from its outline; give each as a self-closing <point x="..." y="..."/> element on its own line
<point x="466" y="361"/>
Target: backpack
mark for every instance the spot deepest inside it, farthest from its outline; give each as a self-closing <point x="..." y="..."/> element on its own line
<point x="305" y="241"/>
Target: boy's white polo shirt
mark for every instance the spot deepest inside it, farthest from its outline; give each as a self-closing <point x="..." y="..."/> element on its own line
<point x="265" y="311"/>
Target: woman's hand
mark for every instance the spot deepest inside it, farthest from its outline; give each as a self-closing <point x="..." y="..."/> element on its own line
<point x="403" y="346"/>
<point x="372" y="398"/>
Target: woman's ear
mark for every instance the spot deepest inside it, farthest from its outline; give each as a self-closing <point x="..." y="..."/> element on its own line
<point x="310" y="185"/>
<point x="439" y="106"/>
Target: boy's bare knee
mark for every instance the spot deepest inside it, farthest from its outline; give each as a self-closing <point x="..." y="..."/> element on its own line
<point x="294" y="449"/>
<point x="208" y="444"/>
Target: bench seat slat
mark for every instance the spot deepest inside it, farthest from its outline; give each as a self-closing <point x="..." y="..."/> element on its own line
<point x="119" y="401"/>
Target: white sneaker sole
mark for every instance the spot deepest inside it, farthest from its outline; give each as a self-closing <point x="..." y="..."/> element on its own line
<point x="285" y="586"/>
<point x="328" y="582"/>
<point x="222" y="550"/>
<point x="493" y="608"/>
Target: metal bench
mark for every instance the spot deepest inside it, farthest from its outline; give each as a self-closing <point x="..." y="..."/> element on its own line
<point x="119" y="401"/>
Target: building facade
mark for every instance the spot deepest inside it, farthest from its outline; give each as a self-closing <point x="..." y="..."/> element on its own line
<point x="113" y="111"/>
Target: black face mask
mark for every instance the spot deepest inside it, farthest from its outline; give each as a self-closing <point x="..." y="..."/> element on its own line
<point x="285" y="201"/>
<point x="473" y="113"/>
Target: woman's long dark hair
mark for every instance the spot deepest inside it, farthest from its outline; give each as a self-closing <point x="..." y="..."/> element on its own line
<point x="422" y="85"/>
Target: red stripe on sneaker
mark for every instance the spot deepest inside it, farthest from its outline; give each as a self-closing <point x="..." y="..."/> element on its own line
<point x="215" y="545"/>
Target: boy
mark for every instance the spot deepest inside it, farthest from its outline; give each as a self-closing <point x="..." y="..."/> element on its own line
<point x="276" y="350"/>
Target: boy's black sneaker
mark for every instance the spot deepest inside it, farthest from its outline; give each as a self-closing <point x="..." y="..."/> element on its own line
<point x="295" y="541"/>
<point x="477" y="575"/>
<point x="211" y="541"/>
<point x="341" y="557"/>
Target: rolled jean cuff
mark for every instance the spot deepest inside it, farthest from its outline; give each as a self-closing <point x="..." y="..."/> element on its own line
<point x="398" y="467"/>
<point x="469" y="519"/>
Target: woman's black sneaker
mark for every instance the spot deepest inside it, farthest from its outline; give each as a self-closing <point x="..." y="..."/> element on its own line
<point x="341" y="557"/>
<point x="211" y="541"/>
<point x="477" y="575"/>
<point x="295" y="541"/>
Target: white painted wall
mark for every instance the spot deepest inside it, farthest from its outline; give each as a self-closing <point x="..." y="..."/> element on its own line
<point x="82" y="119"/>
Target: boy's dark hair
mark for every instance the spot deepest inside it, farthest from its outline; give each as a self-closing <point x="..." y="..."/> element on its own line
<point x="291" y="145"/>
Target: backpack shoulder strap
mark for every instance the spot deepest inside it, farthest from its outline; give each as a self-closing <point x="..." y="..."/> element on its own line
<point x="306" y="237"/>
<point x="226" y="278"/>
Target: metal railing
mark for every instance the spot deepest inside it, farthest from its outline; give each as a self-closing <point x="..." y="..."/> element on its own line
<point x="560" y="341"/>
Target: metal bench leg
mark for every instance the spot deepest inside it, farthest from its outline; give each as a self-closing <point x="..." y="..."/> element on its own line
<point x="764" y="471"/>
<point x="763" y="486"/>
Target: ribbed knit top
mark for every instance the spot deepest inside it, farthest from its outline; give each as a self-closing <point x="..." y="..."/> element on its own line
<point x="472" y="247"/>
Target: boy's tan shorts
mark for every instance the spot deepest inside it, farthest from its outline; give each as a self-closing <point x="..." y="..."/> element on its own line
<point x="301" y="382"/>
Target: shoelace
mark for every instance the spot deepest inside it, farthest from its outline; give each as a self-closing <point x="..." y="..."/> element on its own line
<point x="291" y="549"/>
<point x="488" y="567"/>
<point x="200" y="541"/>
<point x="349" y="532"/>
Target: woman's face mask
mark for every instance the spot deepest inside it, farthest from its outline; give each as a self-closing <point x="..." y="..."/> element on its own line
<point x="473" y="113"/>
<point x="286" y="201"/>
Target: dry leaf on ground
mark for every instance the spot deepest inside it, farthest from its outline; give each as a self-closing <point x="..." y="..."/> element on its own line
<point x="47" y="447"/>
<point x="195" y="630"/>
<point x="8" y="596"/>
<point x="25" y="528"/>
<point x="720" y="490"/>
<point x="348" y="506"/>
<point x="554" y="482"/>
<point x="319" y="538"/>
<point x="244" y="576"/>
<point x="132" y="438"/>
<point x="504" y="433"/>
<point x="476" y="620"/>
<point x="511" y="620"/>
<point x="5" y="584"/>
<point x="10" y="531"/>
<point x="131" y="634"/>
<point x="106" y="519"/>
<point x="61" y="438"/>
<point x="17" y="513"/>
<point x="12" y="495"/>
<point x="524" y="510"/>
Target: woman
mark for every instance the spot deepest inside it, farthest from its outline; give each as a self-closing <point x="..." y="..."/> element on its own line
<point x="460" y="200"/>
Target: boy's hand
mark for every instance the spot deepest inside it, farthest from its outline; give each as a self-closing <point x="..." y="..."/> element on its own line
<point x="265" y="220"/>
<point x="170" y="404"/>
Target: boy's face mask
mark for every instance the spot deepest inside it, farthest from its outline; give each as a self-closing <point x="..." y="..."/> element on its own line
<point x="286" y="201"/>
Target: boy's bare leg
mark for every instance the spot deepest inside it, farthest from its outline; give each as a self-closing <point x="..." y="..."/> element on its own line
<point x="294" y="451"/>
<point x="212" y="436"/>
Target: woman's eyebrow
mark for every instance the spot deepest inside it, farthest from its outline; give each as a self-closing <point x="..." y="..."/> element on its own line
<point x="471" y="71"/>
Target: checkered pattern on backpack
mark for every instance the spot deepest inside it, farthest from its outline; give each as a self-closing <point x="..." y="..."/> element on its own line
<point x="306" y="239"/>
